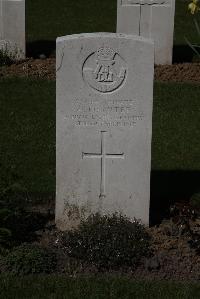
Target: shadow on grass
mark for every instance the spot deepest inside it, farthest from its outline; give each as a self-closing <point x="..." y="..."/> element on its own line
<point x="182" y="53"/>
<point x="168" y="187"/>
<point x="41" y="47"/>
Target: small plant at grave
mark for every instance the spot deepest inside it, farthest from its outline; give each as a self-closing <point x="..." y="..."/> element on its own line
<point x="9" y="53"/>
<point x="28" y="259"/>
<point x="5" y="58"/>
<point x="183" y="218"/>
<point x="194" y="8"/>
<point x="108" y="242"/>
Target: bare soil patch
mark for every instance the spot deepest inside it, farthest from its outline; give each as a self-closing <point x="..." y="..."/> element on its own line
<point x="36" y="68"/>
<point x="45" y="68"/>
<point x="186" y="72"/>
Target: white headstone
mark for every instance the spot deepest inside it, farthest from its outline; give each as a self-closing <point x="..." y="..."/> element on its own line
<point x="152" y="19"/>
<point x="104" y="125"/>
<point x="12" y="27"/>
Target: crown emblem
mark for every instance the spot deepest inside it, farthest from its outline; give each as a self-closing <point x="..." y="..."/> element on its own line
<point x="105" y="54"/>
<point x="104" y="70"/>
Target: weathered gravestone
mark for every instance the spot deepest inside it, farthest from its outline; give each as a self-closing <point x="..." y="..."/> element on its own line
<point x="12" y="27"/>
<point x="104" y="124"/>
<point x="152" y="19"/>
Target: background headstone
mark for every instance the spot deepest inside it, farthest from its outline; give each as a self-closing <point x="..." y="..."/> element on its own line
<point x="12" y="27"/>
<point x="152" y="19"/>
<point x="104" y="125"/>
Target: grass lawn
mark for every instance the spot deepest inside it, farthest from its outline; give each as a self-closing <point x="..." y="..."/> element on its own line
<point x="39" y="287"/>
<point x="176" y="127"/>
<point x="27" y="136"/>
<point x="48" y="19"/>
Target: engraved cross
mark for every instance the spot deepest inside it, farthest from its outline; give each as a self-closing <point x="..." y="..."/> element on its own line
<point x="103" y="156"/>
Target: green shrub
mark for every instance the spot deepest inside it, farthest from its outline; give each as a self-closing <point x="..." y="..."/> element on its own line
<point x="108" y="242"/>
<point x="28" y="259"/>
<point x="5" y="59"/>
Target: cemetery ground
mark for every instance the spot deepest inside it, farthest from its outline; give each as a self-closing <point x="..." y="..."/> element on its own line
<point x="29" y="186"/>
<point x="27" y="175"/>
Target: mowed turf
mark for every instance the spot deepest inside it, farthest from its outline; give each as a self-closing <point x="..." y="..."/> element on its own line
<point x="60" y="287"/>
<point x="48" y="19"/>
<point x="27" y="135"/>
<point x="176" y="127"/>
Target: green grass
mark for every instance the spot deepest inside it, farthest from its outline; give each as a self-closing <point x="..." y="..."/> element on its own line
<point x="176" y="127"/>
<point x="57" y="287"/>
<point x="27" y="136"/>
<point x="48" y="19"/>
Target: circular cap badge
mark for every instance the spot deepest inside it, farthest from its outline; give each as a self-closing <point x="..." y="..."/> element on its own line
<point x="104" y="70"/>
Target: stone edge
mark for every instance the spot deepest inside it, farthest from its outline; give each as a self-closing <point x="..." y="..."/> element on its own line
<point x="104" y="35"/>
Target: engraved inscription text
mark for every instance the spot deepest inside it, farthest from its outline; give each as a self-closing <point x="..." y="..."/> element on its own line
<point x="104" y="113"/>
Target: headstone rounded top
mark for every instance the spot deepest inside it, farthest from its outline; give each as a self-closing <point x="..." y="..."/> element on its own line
<point x="104" y="35"/>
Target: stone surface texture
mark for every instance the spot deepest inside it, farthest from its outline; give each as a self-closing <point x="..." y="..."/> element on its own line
<point x="12" y="27"/>
<point x="103" y="126"/>
<point x="152" y="19"/>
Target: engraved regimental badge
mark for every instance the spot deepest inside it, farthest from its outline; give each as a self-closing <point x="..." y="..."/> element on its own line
<point x="105" y="70"/>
